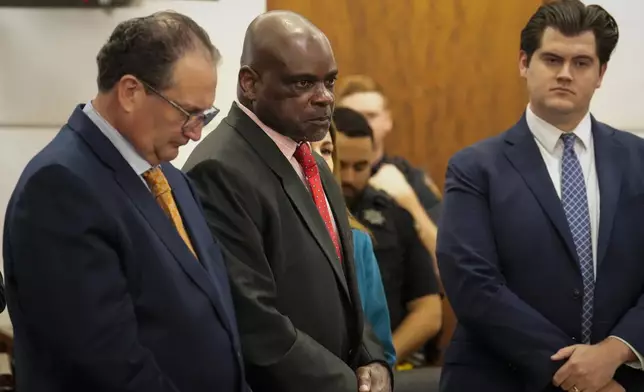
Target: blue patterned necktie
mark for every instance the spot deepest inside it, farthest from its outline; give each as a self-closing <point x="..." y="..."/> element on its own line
<point x="575" y="205"/>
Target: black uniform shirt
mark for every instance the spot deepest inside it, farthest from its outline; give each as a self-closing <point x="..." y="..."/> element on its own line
<point x="405" y="264"/>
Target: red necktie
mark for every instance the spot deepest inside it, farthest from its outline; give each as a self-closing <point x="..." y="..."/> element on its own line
<point x="305" y="158"/>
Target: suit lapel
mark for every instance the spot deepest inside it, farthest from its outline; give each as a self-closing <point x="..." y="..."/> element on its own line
<point x="338" y="206"/>
<point x="293" y="185"/>
<point x="201" y="240"/>
<point x="139" y="194"/>
<point x="522" y="151"/>
<point x="609" y="175"/>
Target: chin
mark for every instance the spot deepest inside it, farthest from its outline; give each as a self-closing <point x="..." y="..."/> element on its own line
<point x="169" y="154"/>
<point x="315" y="134"/>
<point x="561" y="106"/>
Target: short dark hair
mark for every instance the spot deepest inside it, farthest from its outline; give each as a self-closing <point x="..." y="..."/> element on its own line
<point x="571" y="18"/>
<point x="148" y="47"/>
<point x="351" y="123"/>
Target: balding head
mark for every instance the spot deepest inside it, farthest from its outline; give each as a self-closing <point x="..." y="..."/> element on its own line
<point x="270" y="33"/>
<point x="287" y="75"/>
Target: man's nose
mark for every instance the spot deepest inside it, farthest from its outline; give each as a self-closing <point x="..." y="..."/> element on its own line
<point x="323" y="96"/>
<point x="194" y="133"/>
<point x="564" y="72"/>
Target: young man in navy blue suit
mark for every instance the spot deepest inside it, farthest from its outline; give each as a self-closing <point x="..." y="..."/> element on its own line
<point x="114" y="281"/>
<point x="540" y="245"/>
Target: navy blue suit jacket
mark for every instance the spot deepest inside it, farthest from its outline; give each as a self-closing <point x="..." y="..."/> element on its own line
<point x="103" y="293"/>
<point x="510" y="268"/>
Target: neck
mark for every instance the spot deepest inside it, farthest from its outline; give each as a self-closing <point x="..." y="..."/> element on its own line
<point x="245" y="102"/>
<point x="105" y="107"/>
<point x="566" y="122"/>
<point x="108" y="108"/>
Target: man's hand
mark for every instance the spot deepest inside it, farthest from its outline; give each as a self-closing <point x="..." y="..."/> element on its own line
<point x="589" y="368"/>
<point x="613" y="386"/>
<point x="390" y="180"/>
<point x="374" y="378"/>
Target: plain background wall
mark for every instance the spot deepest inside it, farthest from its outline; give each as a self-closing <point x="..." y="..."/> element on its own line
<point x="47" y="66"/>
<point x="620" y="100"/>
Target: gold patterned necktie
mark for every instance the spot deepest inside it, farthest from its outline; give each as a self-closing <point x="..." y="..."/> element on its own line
<point x="163" y="194"/>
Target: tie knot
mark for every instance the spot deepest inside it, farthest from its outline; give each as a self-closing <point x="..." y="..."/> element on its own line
<point x="156" y="181"/>
<point x="304" y="156"/>
<point x="568" y="140"/>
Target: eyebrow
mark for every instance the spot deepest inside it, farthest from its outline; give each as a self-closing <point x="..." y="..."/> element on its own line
<point x="307" y="76"/>
<point x="581" y="56"/>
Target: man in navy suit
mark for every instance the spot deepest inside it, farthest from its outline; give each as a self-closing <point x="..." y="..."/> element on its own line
<point x="540" y="246"/>
<point x="114" y="281"/>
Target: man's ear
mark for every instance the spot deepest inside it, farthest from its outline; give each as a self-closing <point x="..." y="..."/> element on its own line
<point x="248" y="82"/>
<point x="523" y="63"/>
<point x="130" y="92"/>
<point x="602" y="72"/>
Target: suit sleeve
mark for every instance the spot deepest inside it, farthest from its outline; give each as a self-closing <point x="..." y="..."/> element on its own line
<point x="3" y="301"/>
<point x="371" y="351"/>
<point x="71" y="288"/>
<point x="278" y="355"/>
<point x="475" y="285"/>
<point x="629" y="331"/>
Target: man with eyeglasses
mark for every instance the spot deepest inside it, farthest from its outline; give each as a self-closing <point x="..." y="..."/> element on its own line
<point x="114" y="282"/>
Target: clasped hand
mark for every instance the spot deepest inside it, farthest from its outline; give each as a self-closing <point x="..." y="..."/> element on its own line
<point x="373" y="378"/>
<point x="589" y="368"/>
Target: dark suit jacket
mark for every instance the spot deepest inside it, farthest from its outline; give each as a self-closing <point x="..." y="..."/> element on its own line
<point x="103" y="293"/>
<point x="298" y="308"/>
<point x="3" y="302"/>
<point x="510" y="268"/>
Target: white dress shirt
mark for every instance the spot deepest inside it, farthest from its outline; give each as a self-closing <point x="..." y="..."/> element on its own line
<point x="548" y="138"/>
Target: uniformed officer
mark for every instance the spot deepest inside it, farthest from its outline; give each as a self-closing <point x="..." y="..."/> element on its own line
<point x="405" y="264"/>
<point x="364" y="95"/>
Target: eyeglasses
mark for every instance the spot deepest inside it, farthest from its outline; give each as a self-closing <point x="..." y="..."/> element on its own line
<point x="193" y="120"/>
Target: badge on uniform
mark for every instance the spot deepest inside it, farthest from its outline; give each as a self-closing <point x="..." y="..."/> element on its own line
<point x="374" y="217"/>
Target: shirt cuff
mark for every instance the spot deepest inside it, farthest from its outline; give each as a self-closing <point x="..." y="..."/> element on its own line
<point x="639" y="364"/>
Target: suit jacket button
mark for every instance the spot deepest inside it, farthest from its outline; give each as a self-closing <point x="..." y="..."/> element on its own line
<point x="576" y="294"/>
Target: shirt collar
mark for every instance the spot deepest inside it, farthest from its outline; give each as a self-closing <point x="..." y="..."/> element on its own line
<point x="131" y="156"/>
<point x="548" y="135"/>
<point x="286" y="145"/>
